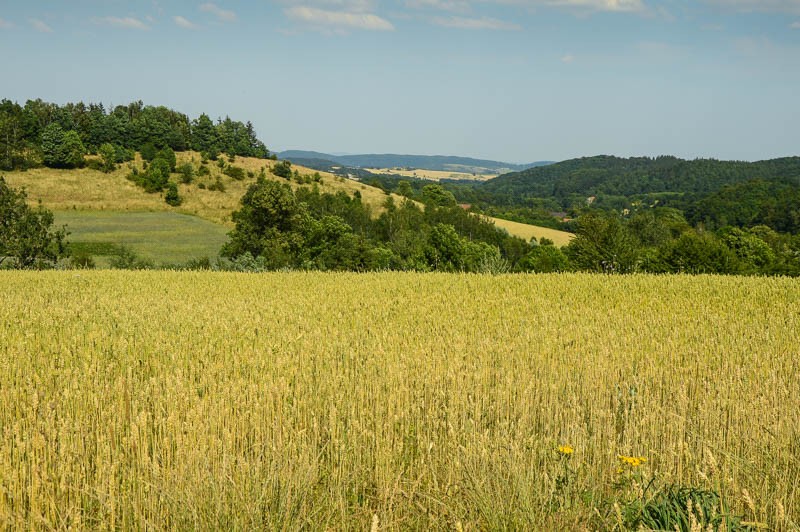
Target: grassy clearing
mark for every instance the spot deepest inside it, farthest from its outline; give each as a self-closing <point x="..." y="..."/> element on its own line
<point x="162" y="237"/>
<point x="421" y="401"/>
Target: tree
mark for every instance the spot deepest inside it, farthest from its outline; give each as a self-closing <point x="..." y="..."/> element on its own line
<point x="270" y="223"/>
<point x="603" y="244"/>
<point x="108" y="156"/>
<point x="61" y="149"/>
<point x="436" y="195"/>
<point x="27" y="238"/>
<point x="168" y="154"/>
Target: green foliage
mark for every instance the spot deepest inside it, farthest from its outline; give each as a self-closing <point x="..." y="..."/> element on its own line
<point x="171" y="197"/>
<point x="603" y="244"/>
<point x="127" y="259"/>
<point x="545" y="259"/>
<point x="234" y="172"/>
<point x="436" y="195"/>
<point x="148" y="151"/>
<point x="217" y="185"/>
<point x="678" y="508"/>
<point x="168" y="155"/>
<point x="283" y="169"/>
<point x="62" y="149"/>
<point x="186" y="171"/>
<point x="27" y="237"/>
<point x="108" y="157"/>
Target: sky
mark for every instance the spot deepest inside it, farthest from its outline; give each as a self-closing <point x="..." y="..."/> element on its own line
<point x="510" y="80"/>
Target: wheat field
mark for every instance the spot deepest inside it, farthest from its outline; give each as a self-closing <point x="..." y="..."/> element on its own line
<point x="195" y="400"/>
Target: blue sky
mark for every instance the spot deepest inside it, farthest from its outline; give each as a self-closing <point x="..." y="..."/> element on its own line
<point x="514" y="80"/>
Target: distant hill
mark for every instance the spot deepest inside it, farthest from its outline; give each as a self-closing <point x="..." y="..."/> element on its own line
<point x="615" y="176"/>
<point x="425" y="162"/>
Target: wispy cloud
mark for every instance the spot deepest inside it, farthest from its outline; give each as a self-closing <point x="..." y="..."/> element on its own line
<point x="222" y="14"/>
<point x="338" y="20"/>
<point x="568" y="58"/>
<point x="777" y="6"/>
<point x="184" y="23"/>
<point x="484" y="23"/>
<point x="795" y="25"/>
<point x="458" y="6"/>
<point x="625" y="6"/>
<point x="5" y="25"/>
<point x="40" y="26"/>
<point x="130" y="23"/>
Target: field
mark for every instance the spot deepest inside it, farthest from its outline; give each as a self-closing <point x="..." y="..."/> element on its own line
<point x="190" y="400"/>
<point x="525" y="231"/>
<point x="434" y="175"/>
<point x="160" y="237"/>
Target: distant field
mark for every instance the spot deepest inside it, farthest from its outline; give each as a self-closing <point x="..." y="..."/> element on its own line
<point x="525" y="231"/>
<point x="434" y="175"/>
<point x="162" y="237"/>
<point x="319" y="401"/>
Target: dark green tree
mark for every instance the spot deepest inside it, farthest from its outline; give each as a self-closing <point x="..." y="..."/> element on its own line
<point x="27" y="236"/>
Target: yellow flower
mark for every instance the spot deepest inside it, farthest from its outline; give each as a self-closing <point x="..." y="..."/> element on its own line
<point x="566" y="450"/>
<point x="633" y="461"/>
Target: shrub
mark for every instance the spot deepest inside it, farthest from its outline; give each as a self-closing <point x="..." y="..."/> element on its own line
<point x="172" y="197"/>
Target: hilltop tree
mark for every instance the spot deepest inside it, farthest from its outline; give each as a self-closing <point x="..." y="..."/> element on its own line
<point x="62" y="149"/>
<point x="27" y="237"/>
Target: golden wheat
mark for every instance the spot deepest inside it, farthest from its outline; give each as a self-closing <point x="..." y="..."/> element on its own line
<point x="169" y="400"/>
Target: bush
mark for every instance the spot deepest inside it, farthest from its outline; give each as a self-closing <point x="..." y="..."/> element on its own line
<point x="172" y="197"/>
<point x="234" y="172"/>
<point x="203" y="170"/>
<point x="168" y="154"/>
<point x="217" y="185"/>
<point x="148" y="151"/>
<point x="186" y="170"/>
<point x="283" y="169"/>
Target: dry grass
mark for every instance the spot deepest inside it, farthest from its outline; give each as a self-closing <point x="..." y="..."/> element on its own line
<point x="525" y="231"/>
<point x="86" y="189"/>
<point x="167" y="400"/>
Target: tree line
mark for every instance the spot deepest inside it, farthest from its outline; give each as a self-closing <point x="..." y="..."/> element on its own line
<point x="41" y="133"/>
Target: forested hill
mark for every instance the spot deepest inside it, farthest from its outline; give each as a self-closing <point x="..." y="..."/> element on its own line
<point x="614" y="176"/>
<point x="426" y="162"/>
<point x="42" y="133"/>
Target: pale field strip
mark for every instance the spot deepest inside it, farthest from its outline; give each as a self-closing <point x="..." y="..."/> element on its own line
<point x="434" y="175"/>
<point x="197" y="400"/>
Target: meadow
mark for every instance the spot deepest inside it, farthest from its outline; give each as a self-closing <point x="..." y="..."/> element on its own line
<point x="160" y="237"/>
<point x="196" y="400"/>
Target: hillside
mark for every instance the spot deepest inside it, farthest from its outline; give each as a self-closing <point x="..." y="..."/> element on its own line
<point x="77" y="196"/>
<point x="442" y="163"/>
<point x="614" y="176"/>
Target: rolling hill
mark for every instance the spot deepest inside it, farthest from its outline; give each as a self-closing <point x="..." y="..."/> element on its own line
<point x="107" y="209"/>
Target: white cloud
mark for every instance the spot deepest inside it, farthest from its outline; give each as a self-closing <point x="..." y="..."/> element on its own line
<point x="5" y="25"/>
<point x="121" y="22"/>
<point x="338" y="20"/>
<point x="600" y="5"/>
<point x="222" y="14"/>
<point x="458" y="6"/>
<point x="40" y="26"/>
<point x="777" y="6"/>
<point x="184" y="23"/>
<point x="568" y="58"/>
<point x="484" y="23"/>
<point x="795" y="25"/>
